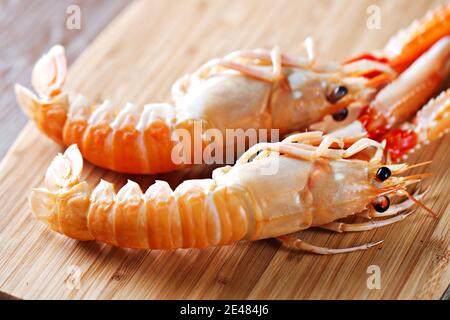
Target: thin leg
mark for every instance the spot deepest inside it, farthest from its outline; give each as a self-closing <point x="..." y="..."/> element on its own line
<point x="258" y="74"/>
<point x="275" y="58"/>
<point x="259" y="54"/>
<point x="290" y="150"/>
<point x="328" y="140"/>
<point x="308" y="135"/>
<point x="326" y="143"/>
<point x="296" y="138"/>
<point x="378" y="156"/>
<point x="300" y="151"/>
<point x="275" y="55"/>
<point x="265" y="57"/>
<point x="365" y="226"/>
<point x="359" y="146"/>
<point x="246" y="70"/>
<point x="245" y="157"/>
<point x="293" y="242"/>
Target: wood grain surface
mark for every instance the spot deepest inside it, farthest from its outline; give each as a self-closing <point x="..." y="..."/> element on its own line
<point x="137" y="58"/>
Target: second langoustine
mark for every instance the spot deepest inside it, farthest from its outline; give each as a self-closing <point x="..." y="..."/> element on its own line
<point x="274" y="189"/>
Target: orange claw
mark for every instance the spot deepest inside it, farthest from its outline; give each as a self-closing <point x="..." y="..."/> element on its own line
<point x="366" y="56"/>
<point x="399" y="142"/>
<point x="431" y="123"/>
<point x="433" y="120"/>
<point x="409" y="44"/>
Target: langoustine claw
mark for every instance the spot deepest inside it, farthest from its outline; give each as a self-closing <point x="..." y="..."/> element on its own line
<point x="399" y="112"/>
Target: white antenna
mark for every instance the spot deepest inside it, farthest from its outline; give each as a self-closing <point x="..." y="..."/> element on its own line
<point x="309" y="46"/>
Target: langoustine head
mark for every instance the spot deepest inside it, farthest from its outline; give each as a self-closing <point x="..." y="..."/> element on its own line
<point x="311" y="94"/>
<point x="362" y="184"/>
<point x="307" y="91"/>
<point x="319" y="180"/>
<point x="289" y="93"/>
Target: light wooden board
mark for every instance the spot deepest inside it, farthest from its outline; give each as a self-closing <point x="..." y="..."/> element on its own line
<point x="137" y="58"/>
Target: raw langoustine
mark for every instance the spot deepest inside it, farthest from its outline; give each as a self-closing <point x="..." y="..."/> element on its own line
<point x="255" y="89"/>
<point x="274" y="189"/>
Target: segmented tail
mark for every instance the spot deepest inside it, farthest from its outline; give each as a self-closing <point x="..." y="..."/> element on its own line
<point x="197" y="214"/>
<point x="134" y="139"/>
<point x="63" y="202"/>
<point x="49" y="108"/>
<point x="50" y="115"/>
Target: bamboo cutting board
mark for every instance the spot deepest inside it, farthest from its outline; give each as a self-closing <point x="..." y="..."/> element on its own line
<point x="137" y="58"/>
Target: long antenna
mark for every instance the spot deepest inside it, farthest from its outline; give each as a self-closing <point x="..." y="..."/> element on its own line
<point x="411" y="197"/>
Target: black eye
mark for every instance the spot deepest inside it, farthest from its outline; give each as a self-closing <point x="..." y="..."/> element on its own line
<point x="381" y="204"/>
<point x="383" y="173"/>
<point x="337" y="94"/>
<point x="340" y="115"/>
